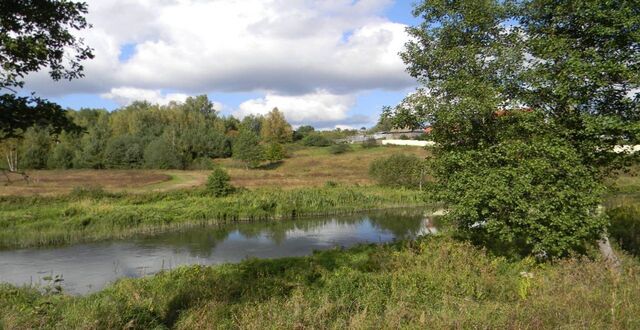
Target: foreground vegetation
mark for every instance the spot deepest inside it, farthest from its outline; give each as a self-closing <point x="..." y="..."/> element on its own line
<point x="434" y="282"/>
<point x="88" y="215"/>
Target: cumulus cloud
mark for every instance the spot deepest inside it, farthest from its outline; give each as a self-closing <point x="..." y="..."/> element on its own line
<point x="318" y="106"/>
<point x="275" y="45"/>
<point x="286" y="49"/>
<point x="126" y="95"/>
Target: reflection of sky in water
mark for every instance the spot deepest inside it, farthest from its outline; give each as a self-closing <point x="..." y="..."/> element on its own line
<point x="89" y="267"/>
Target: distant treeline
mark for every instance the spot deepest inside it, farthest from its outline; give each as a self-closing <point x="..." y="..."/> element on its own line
<point x="144" y="135"/>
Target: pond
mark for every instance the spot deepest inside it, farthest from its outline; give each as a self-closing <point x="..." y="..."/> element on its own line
<point x="89" y="267"/>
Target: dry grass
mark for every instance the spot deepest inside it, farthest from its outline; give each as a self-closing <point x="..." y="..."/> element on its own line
<point x="312" y="167"/>
<point x="52" y="182"/>
<point x="306" y="167"/>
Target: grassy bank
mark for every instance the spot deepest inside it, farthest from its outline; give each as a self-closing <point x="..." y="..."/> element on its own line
<point x="434" y="282"/>
<point x="95" y="215"/>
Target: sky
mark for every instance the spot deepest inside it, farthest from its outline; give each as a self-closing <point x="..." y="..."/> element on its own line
<point x="326" y="63"/>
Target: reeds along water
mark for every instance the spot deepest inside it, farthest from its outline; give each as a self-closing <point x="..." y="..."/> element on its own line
<point x="79" y="217"/>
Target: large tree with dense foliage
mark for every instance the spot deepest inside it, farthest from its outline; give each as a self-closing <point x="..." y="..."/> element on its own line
<point x="527" y="100"/>
<point x="275" y="128"/>
<point x="247" y="148"/>
<point x="35" y="35"/>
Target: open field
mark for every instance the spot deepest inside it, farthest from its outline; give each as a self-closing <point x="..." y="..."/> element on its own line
<point x="432" y="283"/>
<point x="312" y="167"/>
<point x="305" y="167"/>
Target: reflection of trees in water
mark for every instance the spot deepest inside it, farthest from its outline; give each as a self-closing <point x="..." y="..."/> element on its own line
<point x="402" y="224"/>
<point x="199" y="241"/>
<point x="202" y="241"/>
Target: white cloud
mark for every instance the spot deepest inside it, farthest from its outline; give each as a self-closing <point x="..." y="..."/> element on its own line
<point x="317" y="107"/>
<point x="126" y="95"/>
<point x="309" y="57"/>
<point x="283" y="46"/>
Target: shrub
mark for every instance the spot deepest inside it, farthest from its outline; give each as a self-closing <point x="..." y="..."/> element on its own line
<point x="625" y="227"/>
<point x="274" y="152"/>
<point x="341" y="148"/>
<point x="316" y="140"/>
<point x="521" y="197"/>
<point x="370" y="143"/>
<point x="218" y="183"/>
<point x="398" y="171"/>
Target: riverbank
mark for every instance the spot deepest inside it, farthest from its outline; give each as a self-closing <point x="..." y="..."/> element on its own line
<point x="434" y="282"/>
<point x="92" y="215"/>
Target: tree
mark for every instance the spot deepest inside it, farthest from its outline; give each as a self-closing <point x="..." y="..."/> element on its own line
<point x="302" y="132"/>
<point x="35" y="148"/>
<point x="275" y="128"/>
<point x="63" y="151"/>
<point x="17" y="114"/>
<point x="37" y="34"/>
<point x="94" y="143"/>
<point x="247" y="148"/>
<point x="124" y="152"/>
<point x="34" y="35"/>
<point x="252" y="123"/>
<point x="200" y="104"/>
<point x="160" y="154"/>
<point x="527" y="100"/>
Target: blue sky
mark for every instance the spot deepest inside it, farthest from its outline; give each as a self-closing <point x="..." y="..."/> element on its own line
<point x="325" y="63"/>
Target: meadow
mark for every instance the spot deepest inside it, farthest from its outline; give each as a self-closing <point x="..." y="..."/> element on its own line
<point x="304" y="167"/>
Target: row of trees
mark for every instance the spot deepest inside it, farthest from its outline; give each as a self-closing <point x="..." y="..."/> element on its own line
<point x="143" y="135"/>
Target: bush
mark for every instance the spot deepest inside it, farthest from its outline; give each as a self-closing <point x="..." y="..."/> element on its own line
<point x="625" y="227"/>
<point x="370" y="143"/>
<point x="316" y="140"/>
<point x="521" y="197"/>
<point x="341" y="148"/>
<point x="218" y="183"/>
<point x="274" y="152"/>
<point x="398" y="171"/>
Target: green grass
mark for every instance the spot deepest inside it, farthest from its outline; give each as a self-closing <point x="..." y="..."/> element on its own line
<point x="434" y="282"/>
<point x="96" y="215"/>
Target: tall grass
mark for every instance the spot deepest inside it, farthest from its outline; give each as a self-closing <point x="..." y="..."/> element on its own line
<point x="94" y="215"/>
<point x="434" y="282"/>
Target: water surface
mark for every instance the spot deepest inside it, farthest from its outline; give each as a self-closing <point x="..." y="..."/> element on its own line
<point x="89" y="267"/>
